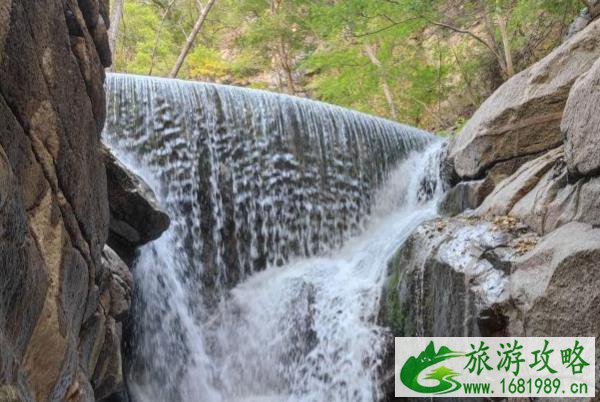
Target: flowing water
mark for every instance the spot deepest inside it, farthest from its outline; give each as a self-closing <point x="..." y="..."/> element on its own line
<point x="285" y="213"/>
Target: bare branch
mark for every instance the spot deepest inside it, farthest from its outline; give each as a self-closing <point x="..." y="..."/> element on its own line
<point x="466" y="32"/>
<point x="190" y="41"/>
<point x="392" y="25"/>
<point x="115" y="19"/>
<point x="157" y="35"/>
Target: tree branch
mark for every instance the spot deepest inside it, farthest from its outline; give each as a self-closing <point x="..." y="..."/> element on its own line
<point x="157" y="35"/>
<point x="392" y="25"/>
<point x="466" y="32"/>
<point x="190" y="41"/>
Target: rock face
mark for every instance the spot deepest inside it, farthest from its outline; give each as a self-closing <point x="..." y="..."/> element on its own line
<point x="443" y="267"/>
<point x="471" y="277"/>
<point x="513" y="189"/>
<point x="593" y="8"/>
<point x="540" y="195"/>
<point x="466" y="195"/>
<point x="54" y="209"/>
<point x="135" y="217"/>
<point x="522" y="257"/>
<point x="62" y="292"/>
<point x="523" y="117"/>
<point x="581" y="124"/>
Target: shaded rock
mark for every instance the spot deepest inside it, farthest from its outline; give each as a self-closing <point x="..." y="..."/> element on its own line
<point x="101" y="336"/>
<point x="100" y="36"/>
<point x="537" y="208"/>
<point x="92" y="339"/>
<point x="91" y="12"/>
<point x="108" y="375"/>
<point x="466" y="195"/>
<point x="555" y="202"/>
<point x="120" y="284"/>
<point x="578" y="24"/>
<point x="540" y="195"/>
<point x="504" y="169"/>
<point x="104" y="9"/>
<point x="135" y="217"/>
<point x="593" y="8"/>
<point x="54" y="209"/>
<point x="523" y="116"/>
<point x="514" y="188"/>
<point x="81" y="389"/>
<point x="581" y="124"/>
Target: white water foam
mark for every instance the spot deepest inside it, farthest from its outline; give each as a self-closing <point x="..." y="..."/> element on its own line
<point x="305" y="331"/>
<point x="255" y="180"/>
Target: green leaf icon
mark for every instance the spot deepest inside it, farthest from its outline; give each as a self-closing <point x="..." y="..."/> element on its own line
<point x="414" y="366"/>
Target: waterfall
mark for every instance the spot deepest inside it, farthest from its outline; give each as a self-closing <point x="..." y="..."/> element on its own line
<point x="284" y="214"/>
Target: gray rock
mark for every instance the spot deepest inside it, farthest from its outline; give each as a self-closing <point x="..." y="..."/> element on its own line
<point x="92" y="339"/>
<point x="108" y="376"/>
<point x="135" y="216"/>
<point x="120" y="284"/>
<point x="581" y="124"/>
<point x="555" y="287"/>
<point x="466" y="195"/>
<point x="540" y="195"/>
<point x="555" y="202"/>
<point x="578" y="24"/>
<point x="54" y="212"/>
<point x="442" y="284"/>
<point x="9" y="393"/>
<point x="523" y="116"/>
<point x="467" y="277"/>
<point x="514" y="188"/>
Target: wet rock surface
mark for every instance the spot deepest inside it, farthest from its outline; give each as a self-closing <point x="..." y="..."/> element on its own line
<point x="135" y="216"/>
<point x="466" y="195"/>
<point x="472" y="277"/>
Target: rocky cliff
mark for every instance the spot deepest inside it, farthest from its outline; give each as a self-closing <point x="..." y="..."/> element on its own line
<point x="517" y="252"/>
<point x="63" y="292"/>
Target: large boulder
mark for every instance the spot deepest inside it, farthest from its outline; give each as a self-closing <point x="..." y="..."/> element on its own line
<point x="466" y="195"/>
<point x="541" y="196"/>
<point x="554" y="288"/>
<point x="581" y="124"/>
<point x="470" y="277"/>
<point x="135" y="216"/>
<point x="523" y="116"/>
<point x="514" y="188"/>
<point x="62" y="293"/>
<point x="447" y="277"/>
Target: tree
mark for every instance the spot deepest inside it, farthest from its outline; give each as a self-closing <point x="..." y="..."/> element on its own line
<point x="371" y="54"/>
<point x="426" y="62"/>
<point x="190" y="40"/>
<point x="116" y="12"/>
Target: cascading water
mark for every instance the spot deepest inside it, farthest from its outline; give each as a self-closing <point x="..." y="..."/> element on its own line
<point x="254" y="180"/>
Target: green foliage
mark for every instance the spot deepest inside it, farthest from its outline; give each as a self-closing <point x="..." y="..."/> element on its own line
<point x="404" y="59"/>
